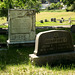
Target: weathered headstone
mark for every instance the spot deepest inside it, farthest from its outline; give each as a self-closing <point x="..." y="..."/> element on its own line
<point x="41" y="21"/>
<point x="21" y="26"/>
<point x="61" y="21"/>
<point x="51" y="42"/>
<point x="54" y="19"/>
<point x="73" y="28"/>
<point x="46" y="20"/>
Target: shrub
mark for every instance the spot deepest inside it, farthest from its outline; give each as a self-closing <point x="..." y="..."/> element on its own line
<point x="3" y="9"/>
<point x="55" y="6"/>
<point x="18" y="4"/>
<point x="52" y="6"/>
<point x="58" y="5"/>
<point x="48" y="8"/>
<point x="71" y="7"/>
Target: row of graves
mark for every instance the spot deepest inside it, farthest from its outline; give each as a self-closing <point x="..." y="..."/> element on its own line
<point x="50" y="46"/>
<point x="60" y="20"/>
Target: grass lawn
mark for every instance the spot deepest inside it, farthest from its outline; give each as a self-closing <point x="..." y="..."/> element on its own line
<point x="58" y="15"/>
<point x="38" y="24"/>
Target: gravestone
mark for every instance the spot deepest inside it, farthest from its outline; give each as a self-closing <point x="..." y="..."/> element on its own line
<point x="46" y="20"/>
<point x="54" y="19"/>
<point x="73" y="28"/>
<point x="50" y="45"/>
<point x="21" y="25"/>
<point x="61" y="21"/>
<point x="41" y="21"/>
<point x="50" y="42"/>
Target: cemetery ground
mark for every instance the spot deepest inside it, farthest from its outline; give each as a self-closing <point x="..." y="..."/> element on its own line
<point x="15" y="60"/>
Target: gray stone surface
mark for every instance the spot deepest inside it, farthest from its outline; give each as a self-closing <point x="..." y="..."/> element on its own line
<point x="53" y="41"/>
<point x="21" y="26"/>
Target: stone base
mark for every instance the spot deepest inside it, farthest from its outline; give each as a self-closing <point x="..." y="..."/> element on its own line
<point x="20" y="42"/>
<point x="25" y="43"/>
<point x="52" y="58"/>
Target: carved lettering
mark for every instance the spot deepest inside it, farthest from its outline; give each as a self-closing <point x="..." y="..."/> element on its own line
<point x="53" y="42"/>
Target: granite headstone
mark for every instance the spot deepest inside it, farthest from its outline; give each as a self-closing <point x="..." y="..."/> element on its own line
<point x="21" y="25"/>
<point x="54" y="41"/>
<point x="52" y="46"/>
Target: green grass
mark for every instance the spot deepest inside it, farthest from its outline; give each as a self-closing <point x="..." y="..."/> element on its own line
<point x="3" y="38"/>
<point x="58" y="15"/>
<point x="15" y="61"/>
<point x="51" y="24"/>
<point x="3" y="26"/>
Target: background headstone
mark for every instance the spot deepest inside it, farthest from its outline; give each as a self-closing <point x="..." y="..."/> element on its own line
<point x="73" y="28"/>
<point x="54" y="19"/>
<point x="41" y="21"/>
<point x="46" y="20"/>
<point x="61" y="21"/>
<point x="21" y="26"/>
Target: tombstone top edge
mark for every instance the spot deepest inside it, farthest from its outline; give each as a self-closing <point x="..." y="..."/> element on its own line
<point x="21" y="9"/>
<point x="51" y="31"/>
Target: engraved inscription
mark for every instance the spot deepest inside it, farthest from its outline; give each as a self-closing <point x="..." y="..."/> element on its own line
<point x="21" y="25"/>
<point x="53" y="42"/>
<point x="56" y="40"/>
<point x="20" y="37"/>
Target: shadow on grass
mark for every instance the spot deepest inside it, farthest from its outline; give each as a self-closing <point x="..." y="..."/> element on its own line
<point x="15" y="56"/>
<point x="62" y="64"/>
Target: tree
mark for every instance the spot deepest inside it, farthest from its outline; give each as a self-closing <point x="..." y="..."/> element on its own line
<point x="19" y="4"/>
<point x="68" y="2"/>
<point x="58" y="5"/>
